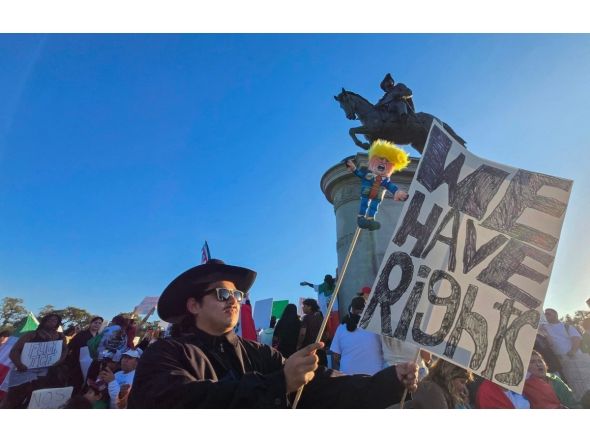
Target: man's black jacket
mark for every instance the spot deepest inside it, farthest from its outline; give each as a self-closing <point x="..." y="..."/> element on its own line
<point x="204" y="371"/>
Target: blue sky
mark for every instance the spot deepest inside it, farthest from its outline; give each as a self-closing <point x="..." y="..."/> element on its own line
<point x="120" y="153"/>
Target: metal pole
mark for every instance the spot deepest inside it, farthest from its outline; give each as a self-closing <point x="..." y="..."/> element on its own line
<point x="331" y="304"/>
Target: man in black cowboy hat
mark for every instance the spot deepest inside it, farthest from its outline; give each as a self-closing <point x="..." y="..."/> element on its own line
<point x="396" y="99"/>
<point x="205" y="365"/>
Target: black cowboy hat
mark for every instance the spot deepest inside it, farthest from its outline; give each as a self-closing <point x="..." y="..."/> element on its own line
<point x="172" y="303"/>
<point x="386" y="80"/>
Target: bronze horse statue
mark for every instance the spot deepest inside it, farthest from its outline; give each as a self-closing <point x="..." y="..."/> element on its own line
<point x="376" y="124"/>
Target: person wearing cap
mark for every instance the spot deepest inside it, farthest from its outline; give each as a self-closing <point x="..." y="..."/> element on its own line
<point x="364" y="293"/>
<point x="357" y="351"/>
<point x="119" y="383"/>
<point x="208" y="366"/>
<point x="565" y="338"/>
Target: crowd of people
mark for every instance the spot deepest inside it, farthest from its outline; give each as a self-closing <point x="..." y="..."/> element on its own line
<point x="441" y="383"/>
<point x="203" y="363"/>
<point x="104" y="383"/>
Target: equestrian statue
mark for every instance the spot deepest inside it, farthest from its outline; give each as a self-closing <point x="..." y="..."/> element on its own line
<point x="392" y="118"/>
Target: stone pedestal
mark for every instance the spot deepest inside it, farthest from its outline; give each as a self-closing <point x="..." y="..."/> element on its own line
<point x="343" y="190"/>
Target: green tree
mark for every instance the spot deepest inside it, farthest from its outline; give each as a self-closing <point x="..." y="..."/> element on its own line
<point x="69" y="315"/>
<point x="576" y="319"/>
<point x="11" y="312"/>
<point x="76" y="316"/>
<point x="45" y="311"/>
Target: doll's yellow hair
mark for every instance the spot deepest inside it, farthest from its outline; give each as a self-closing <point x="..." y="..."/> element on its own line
<point x="398" y="157"/>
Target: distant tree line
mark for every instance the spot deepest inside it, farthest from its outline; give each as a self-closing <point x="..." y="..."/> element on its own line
<point x="576" y="319"/>
<point x="13" y="311"/>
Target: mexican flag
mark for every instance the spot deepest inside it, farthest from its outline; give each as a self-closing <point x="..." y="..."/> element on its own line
<point x="28" y="324"/>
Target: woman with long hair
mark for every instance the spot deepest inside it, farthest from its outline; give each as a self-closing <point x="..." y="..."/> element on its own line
<point x="357" y="351"/>
<point x="286" y="331"/>
<point x="75" y="377"/>
<point x="444" y="387"/>
<point x="22" y="381"/>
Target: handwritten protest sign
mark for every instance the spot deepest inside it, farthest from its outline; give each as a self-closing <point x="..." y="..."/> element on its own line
<point x="262" y="313"/>
<point x="468" y="266"/>
<point x="52" y="398"/>
<point x="147" y="304"/>
<point x="577" y="372"/>
<point x="41" y="354"/>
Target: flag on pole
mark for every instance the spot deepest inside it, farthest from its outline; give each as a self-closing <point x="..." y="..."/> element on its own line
<point x="28" y="324"/>
<point x="206" y="255"/>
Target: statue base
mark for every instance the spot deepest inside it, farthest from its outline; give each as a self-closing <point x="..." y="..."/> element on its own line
<point x="343" y="190"/>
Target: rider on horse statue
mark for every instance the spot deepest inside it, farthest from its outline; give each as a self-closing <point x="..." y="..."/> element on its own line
<point x="395" y="101"/>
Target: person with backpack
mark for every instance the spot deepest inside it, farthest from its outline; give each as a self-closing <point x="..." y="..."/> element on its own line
<point x="566" y="339"/>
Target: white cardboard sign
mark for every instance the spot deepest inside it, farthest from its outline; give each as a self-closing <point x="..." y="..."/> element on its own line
<point x="262" y="313"/>
<point x="52" y="398"/>
<point x="41" y="354"/>
<point x="147" y="304"/>
<point x="467" y="269"/>
<point x="577" y="373"/>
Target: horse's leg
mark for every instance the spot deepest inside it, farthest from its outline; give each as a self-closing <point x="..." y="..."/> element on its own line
<point x="418" y="144"/>
<point x="359" y="130"/>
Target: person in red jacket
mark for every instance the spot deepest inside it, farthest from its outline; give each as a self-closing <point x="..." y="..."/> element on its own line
<point x="247" y="329"/>
<point x="539" y="393"/>
<point x="492" y="396"/>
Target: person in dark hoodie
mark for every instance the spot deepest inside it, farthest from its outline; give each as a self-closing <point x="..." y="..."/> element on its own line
<point x="286" y="332"/>
<point x="356" y="350"/>
<point x="210" y="367"/>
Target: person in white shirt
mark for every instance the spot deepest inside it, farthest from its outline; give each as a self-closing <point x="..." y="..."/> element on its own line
<point x="566" y="339"/>
<point x="356" y="350"/>
<point x="394" y="353"/>
<point x="123" y="380"/>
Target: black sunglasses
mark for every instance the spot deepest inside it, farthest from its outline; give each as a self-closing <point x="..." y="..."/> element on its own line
<point x="223" y="294"/>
